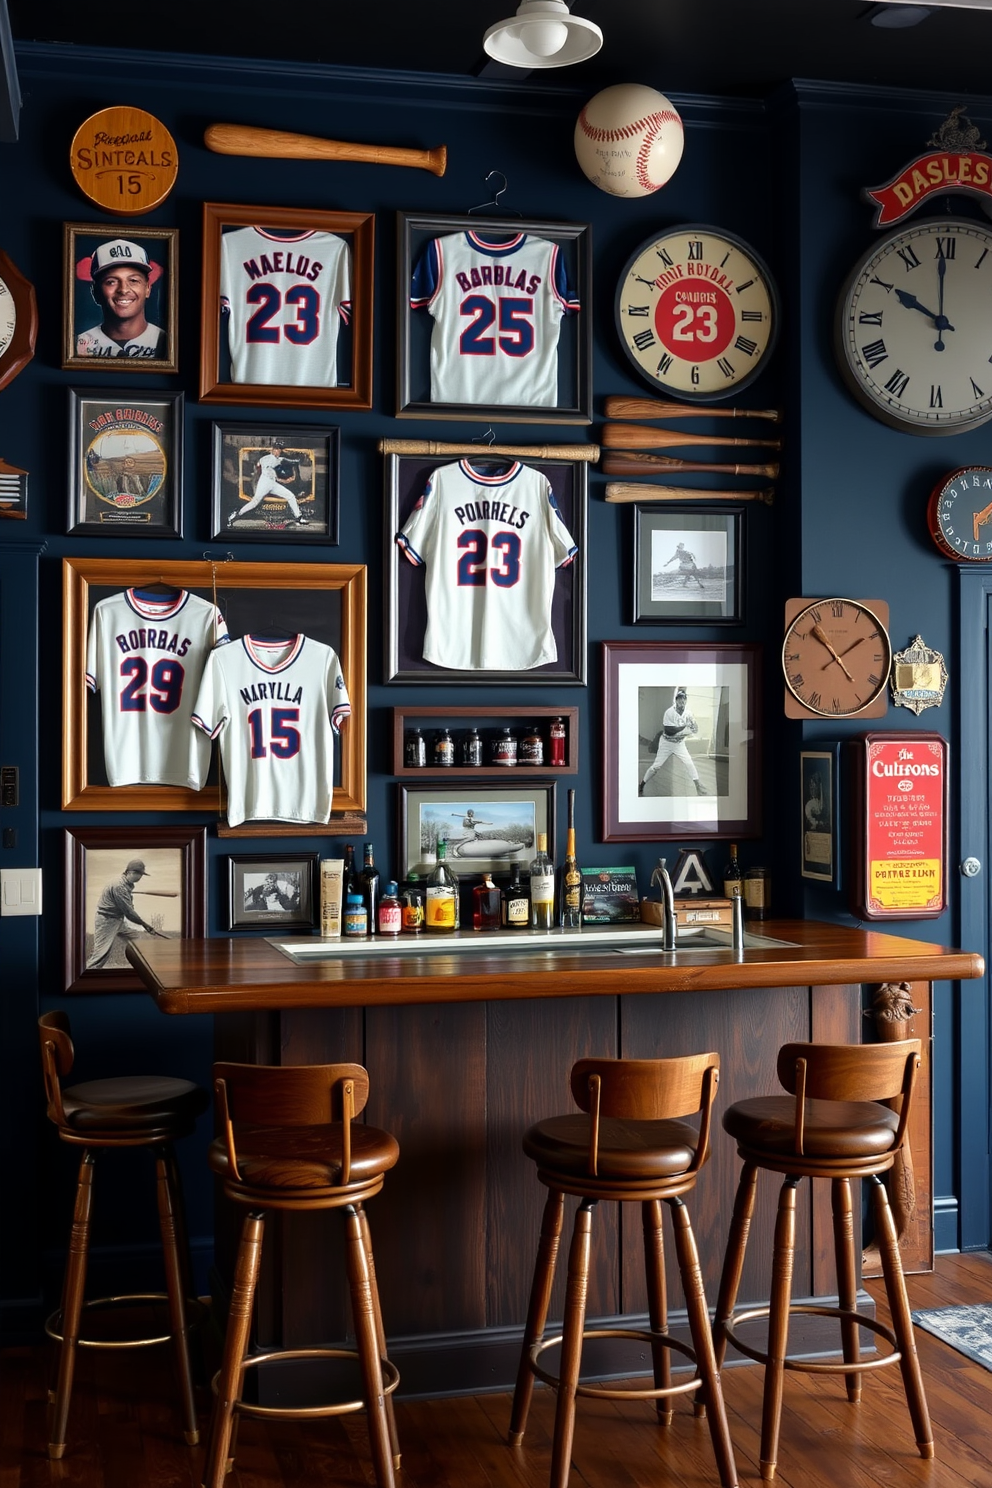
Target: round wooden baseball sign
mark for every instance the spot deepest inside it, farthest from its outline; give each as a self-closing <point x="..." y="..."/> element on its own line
<point x="125" y="160"/>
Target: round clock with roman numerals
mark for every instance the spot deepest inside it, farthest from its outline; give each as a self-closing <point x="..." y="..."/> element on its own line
<point x="697" y="313"/>
<point x="914" y="327"/>
<point x="836" y="658"/>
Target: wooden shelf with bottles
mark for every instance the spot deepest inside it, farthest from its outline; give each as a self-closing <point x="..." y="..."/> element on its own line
<point x="490" y="722"/>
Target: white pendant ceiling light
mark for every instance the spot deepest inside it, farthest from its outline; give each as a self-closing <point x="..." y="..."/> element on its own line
<point x="542" y="34"/>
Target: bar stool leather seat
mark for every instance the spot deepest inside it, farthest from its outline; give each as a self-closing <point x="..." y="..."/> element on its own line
<point x="304" y="1158"/>
<point x="135" y="1103"/>
<point x="832" y="1129"/>
<point x="638" y="1151"/>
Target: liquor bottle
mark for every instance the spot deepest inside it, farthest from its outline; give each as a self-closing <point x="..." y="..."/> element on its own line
<point x="515" y="903"/>
<point x="485" y="905"/>
<point x="733" y="878"/>
<point x="557" y="734"/>
<point x="542" y="887"/>
<point x="412" y="905"/>
<point x="368" y="886"/>
<point x="444" y="748"/>
<point x="351" y="882"/>
<point x="415" y="750"/>
<point x="531" y="750"/>
<point x="442" y="895"/>
<point x="570" y="879"/>
<point x="390" y="919"/>
<point x="472" y="748"/>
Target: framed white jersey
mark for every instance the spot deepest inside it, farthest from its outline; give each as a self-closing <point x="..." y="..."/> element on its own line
<point x="285" y="297"/>
<point x="490" y="538"/>
<point x="145" y="656"/>
<point x="275" y="706"/>
<point x="497" y="304"/>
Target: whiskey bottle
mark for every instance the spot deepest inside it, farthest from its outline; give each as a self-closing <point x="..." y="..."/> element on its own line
<point x="542" y="887"/>
<point x="733" y="878"/>
<point x="442" y="895"/>
<point x="570" y="879"/>
<point x="515" y="903"/>
<point x="368" y="887"/>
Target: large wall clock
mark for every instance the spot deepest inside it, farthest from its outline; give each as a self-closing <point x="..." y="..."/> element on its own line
<point x="697" y="313"/>
<point x="836" y="658"/>
<point x="914" y="327"/>
<point x="18" y="320"/>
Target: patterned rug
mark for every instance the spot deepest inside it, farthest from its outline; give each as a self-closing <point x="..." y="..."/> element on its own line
<point x="967" y="1329"/>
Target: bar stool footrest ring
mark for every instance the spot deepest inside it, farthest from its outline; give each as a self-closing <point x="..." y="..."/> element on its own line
<point x="810" y="1366"/>
<point x="193" y="1304"/>
<point x="604" y="1392"/>
<point x="390" y="1379"/>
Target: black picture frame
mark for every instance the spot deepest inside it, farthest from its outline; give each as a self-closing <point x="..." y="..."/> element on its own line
<point x="407" y="613"/>
<point x="819" y="814"/>
<point x="295" y="898"/>
<point x="125" y="464"/>
<point x="414" y="392"/>
<point x="309" y="470"/>
<point x="711" y="591"/>
<point x="423" y="807"/>
<point x="84" y="348"/>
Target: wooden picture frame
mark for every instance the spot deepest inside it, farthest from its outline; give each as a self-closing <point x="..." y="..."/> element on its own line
<point x="306" y="479"/>
<point x="326" y="600"/>
<point x="819" y="819"/>
<point x="641" y="681"/>
<point x="294" y="902"/>
<point x="407" y="609"/>
<point x="125" y="464"/>
<point x="510" y="316"/>
<point x="97" y="859"/>
<point x="277" y="322"/>
<point x="89" y="317"/>
<point x="706" y="545"/>
<point x="527" y="802"/>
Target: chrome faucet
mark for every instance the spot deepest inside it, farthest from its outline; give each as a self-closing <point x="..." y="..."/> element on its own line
<point x="661" y="877"/>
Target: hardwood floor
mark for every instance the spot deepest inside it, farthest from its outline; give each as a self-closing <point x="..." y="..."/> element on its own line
<point x="124" y="1428"/>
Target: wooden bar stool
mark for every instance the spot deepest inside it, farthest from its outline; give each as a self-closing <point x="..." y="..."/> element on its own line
<point x="830" y="1125"/>
<point x="630" y="1146"/>
<point x="130" y="1111"/>
<point x="288" y="1142"/>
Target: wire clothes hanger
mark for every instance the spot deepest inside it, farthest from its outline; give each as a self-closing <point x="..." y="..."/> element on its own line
<point x="494" y="202"/>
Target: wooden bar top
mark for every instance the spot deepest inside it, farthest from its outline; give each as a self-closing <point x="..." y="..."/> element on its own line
<point x="244" y="974"/>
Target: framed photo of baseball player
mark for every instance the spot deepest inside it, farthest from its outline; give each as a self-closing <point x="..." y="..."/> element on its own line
<point x="688" y="565"/>
<point x="266" y="892"/>
<point x="488" y="829"/>
<point x="125" y="884"/>
<point x="275" y="483"/>
<point x="286" y="318"/>
<point x="486" y="568"/>
<point x="819" y="785"/>
<point x="495" y="319"/>
<point x="119" y="297"/>
<point x="125" y="464"/>
<point x="682" y="741"/>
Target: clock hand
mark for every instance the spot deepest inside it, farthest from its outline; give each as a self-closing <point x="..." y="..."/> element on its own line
<point x="844" y="652"/>
<point x="942" y="325"/>
<point x="912" y="303"/>
<point x="819" y="634"/>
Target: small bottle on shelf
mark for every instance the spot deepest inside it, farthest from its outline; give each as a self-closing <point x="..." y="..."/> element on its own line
<point x="515" y="903"/>
<point x="570" y="878"/>
<point x="733" y="878"/>
<point x="485" y="905"/>
<point x="472" y="748"/>
<point x="531" y="751"/>
<point x="757" y="894"/>
<point x="412" y="905"/>
<point x="390" y="918"/>
<point x="444" y="748"/>
<point x="356" y="919"/>
<point x="442" y="895"/>
<point x="557" y="738"/>
<point x="368" y="887"/>
<point x="542" y="887"/>
<point x="504" y="748"/>
<point x="349" y="875"/>
<point x="414" y="750"/>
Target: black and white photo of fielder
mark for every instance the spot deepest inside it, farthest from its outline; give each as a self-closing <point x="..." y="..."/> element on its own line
<point x="687" y="566"/>
<point x="116" y="918"/>
<point x="678" y="724"/>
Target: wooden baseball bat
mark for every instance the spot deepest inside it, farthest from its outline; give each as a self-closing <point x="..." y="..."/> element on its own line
<point x="244" y="139"/>
<point x="620" y="491"/>
<point x="639" y="436"/>
<point x="627" y="462"/>
<point x="658" y="408"/>
<point x="159" y="893"/>
<point x="589" y="452"/>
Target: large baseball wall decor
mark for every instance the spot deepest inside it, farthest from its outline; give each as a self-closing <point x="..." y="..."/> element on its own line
<point x="628" y="140"/>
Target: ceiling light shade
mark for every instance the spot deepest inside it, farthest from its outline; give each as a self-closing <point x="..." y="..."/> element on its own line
<point x="542" y="34"/>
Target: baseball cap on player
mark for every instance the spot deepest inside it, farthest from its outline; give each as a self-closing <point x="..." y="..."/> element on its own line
<point x="118" y="253"/>
<point x="136" y="866"/>
<point x="681" y="692"/>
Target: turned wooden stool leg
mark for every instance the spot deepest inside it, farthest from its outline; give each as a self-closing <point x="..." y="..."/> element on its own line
<point x="847" y="1278"/>
<point x="654" y="1270"/>
<point x="702" y="1341"/>
<point x="72" y="1305"/>
<point x="380" y="1331"/>
<point x="778" y="1326"/>
<point x="733" y="1261"/>
<point x="174" y="1285"/>
<point x="231" y="1378"/>
<point x="902" y="1322"/>
<point x="537" y="1312"/>
<point x="367" y="1343"/>
<point x="576" y="1294"/>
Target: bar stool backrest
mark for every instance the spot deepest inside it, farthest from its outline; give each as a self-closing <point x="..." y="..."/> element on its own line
<point x="851" y="1072"/>
<point x="57" y="1057"/>
<point x="647" y="1090"/>
<point x="290" y="1095"/>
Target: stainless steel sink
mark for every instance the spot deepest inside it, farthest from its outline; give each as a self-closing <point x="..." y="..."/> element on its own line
<point x="692" y="939"/>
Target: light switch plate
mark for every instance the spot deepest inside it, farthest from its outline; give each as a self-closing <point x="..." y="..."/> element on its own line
<point x="20" y="891"/>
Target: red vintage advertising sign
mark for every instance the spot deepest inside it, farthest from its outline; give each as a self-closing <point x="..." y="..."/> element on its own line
<point x="955" y="163"/>
<point x="902" y="868"/>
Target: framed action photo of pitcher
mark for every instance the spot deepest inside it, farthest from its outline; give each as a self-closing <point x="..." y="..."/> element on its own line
<point x="125" y="464"/>
<point x="275" y="483"/>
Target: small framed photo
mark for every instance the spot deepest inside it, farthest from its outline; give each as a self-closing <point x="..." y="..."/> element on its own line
<point x="688" y="565"/>
<point x="521" y="519"/>
<point x="490" y="829"/>
<point x="272" y="891"/>
<point x="125" y="884"/>
<point x="125" y="464"/>
<point x="682" y="741"/>
<point x="819" y="786"/>
<point x="286" y="315"/>
<point x="273" y="483"/>
<point x="495" y="319"/>
<point x="119" y="297"/>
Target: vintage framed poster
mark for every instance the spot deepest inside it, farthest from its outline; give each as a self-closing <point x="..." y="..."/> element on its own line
<point x="682" y="740"/>
<point x="488" y="828"/>
<point x="688" y="565"/>
<point x="274" y="483"/>
<point x="495" y="319"/>
<point x="820" y="814"/>
<point x="286" y="313"/>
<point x="119" y="297"/>
<point x="272" y="892"/>
<point x="124" y="884"/>
<point x="476" y="628"/>
<point x="900" y="825"/>
<point x="125" y="464"/>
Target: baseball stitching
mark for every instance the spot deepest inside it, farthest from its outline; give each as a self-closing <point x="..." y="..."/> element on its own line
<point x="652" y="123"/>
